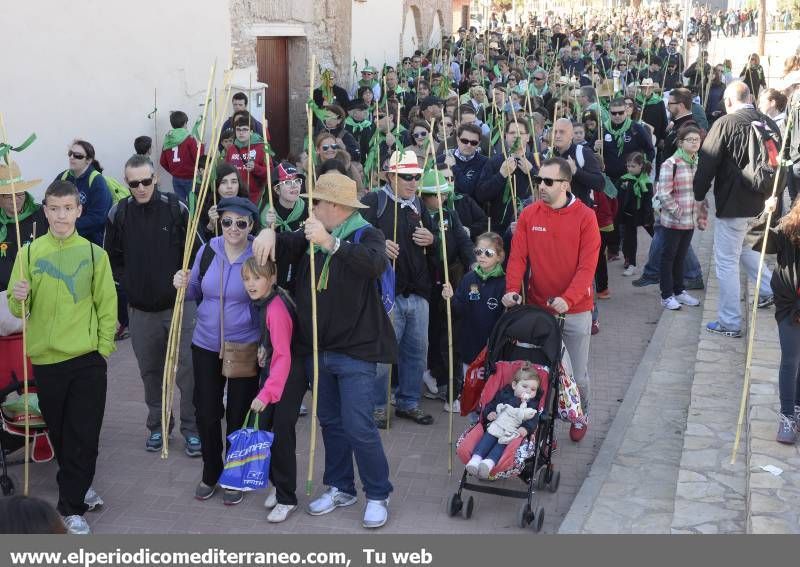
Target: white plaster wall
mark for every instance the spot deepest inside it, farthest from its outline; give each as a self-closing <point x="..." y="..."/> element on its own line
<point x="376" y="26"/>
<point x="410" y="41"/>
<point x="87" y="68"/>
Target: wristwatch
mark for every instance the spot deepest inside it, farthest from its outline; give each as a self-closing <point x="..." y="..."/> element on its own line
<point x="337" y="243"/>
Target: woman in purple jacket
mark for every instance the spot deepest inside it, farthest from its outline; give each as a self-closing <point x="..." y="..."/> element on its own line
<point x="224" y="309"/>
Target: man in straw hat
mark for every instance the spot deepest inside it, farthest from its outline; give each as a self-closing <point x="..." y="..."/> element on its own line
<point x="414" y="233"/>
<point x="355" y="335"/>
<point x="71" y="301"/>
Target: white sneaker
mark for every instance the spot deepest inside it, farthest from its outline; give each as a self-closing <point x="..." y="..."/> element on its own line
<point x="430" y="382"/>
<point x="376" y="513"/>
<point x="455" y="409"/>
<point x="280" y="512"/>
<point x="331" y="499"/>
<point x="76" y="525"/>
<point x="629" y="271"/>
<point x="485" y="468"/>
<point x="687" y="299"/>
<point x="671" y="303"/>
<point x="92" y="499"/>
<point x="271" y="500"/>
<point x="472" y="465"/>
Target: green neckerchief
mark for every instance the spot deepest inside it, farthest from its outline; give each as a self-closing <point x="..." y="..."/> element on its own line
<point x="495" y="272"/>
<point x="641" y="185"/>
<point x="371" y="84"/>
<point x="691" y="160"/>
<point x="175" y="138"/>
<point x="254" y="139"/>
<point x="357" y="127"/>
<point x="654" y="99"/>
<point x="28" y="208"/>
<point x="618" y="133"/>
<point x="284" y="225"/>
<point x="348" y="227"/>
<point x="609" y="188"/>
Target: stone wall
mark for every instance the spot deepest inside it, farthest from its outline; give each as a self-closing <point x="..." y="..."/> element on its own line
<point x="428" y="13"/>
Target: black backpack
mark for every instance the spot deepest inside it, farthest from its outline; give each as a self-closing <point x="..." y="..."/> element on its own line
<point x="763" y="148"/>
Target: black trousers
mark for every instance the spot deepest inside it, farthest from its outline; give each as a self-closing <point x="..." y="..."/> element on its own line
<point x="601" y="273"/>
<point x="676" y="246"/>
<point x="209" y="385"/>
<point x="72" y="397"/>
<point x="281" y="419"/>
<point x="630" y="241"/>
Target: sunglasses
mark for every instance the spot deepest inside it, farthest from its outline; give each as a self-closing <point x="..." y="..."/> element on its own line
<point x="538" y="78"/>
<point x="470" y="142"/>
<point x="144" y="182"/>
<point x="546" y="180"/>
<point x="617" y="113"/>
<point x="410" y="176"/>
<point x="326" y="147"/>
<point x="75" y="155"/>
<point x="228" y="222"/>
<point x="488" y="252"/>
<point x="420" y="135"/>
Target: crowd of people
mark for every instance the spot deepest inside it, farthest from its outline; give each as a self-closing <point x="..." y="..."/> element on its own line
<point x="531" y="154"/>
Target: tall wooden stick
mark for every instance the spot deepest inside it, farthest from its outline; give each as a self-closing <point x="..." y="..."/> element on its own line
<point x="24" y="318"/>
<point x="313" y="273"/>
<point x="267" y="156"/>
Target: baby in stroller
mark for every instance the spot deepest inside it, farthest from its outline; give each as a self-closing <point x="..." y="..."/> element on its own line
<point x="506" y="418"/>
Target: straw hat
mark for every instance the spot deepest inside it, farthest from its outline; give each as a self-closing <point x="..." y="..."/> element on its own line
<point x="404" y="163"/>
<point x="336" y="188"/>
<point x="606" y="88"/>
<point x="11" y="179"/>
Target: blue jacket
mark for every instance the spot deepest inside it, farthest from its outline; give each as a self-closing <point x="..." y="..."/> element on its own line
<point x="506" y="396"/>
<point x="636" y="139"/>
<point x="467" y="173"/>
<point x="96" y="202"/>
<point x="477" y="305"/>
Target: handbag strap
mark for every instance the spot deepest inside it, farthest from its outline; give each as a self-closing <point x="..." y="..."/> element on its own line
<point x="247" y="420"/>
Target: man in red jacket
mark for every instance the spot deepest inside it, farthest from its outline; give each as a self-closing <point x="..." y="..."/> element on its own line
<point x="559" y="237"/>
<point x="248" y="157"/>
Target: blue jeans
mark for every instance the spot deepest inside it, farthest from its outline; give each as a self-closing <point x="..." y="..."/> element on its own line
<point x="182" y="188"/>
<point x="652" y="270"/>
<point x="410" y="321"/>
<point x="344" y="409"/>
<point x="729" y="252"/>
<point x="489" y="448"/>
<point x="789" y="373"/>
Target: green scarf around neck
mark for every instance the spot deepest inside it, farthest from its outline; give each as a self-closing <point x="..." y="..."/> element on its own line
<point x="641" y="185"/>
<point x="348" y="227"/>
<point x="357" y="127"/>
<point x="175" y="138"/>
<point x="28" y="208"/>
<point x="691" y="160"/>
<point x="254" y="139"/>
<point x="495" y="272"/>
<point x="285" y="225"/>
<point x="618" y="133"/>
<point x="652" y="100"/>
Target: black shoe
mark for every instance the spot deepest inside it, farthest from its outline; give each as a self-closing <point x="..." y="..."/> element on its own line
<point x="416" y="415"/>
<point x="379" y="415"/>
<point x="232" y="497"/>
<point x="764" y="302"/>
<point x="694" y="283"/>
<point x="645" y="281"/>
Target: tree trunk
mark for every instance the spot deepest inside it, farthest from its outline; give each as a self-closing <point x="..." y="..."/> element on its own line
<point x="762" y="26"/>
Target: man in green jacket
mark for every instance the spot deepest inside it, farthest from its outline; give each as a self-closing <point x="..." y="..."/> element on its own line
<point x="71" y="303"/>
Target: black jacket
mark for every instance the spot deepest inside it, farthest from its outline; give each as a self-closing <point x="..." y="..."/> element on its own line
<point x="340" y="97"/>
<point x="587" y="178"/>
<point x="351" y="319"/>
<point x="671" y="138"/>
<point x="466" y="174"/>
<point x="27" y="234"/>
<point x="471" y="214"/>
<point x="786" y="278"/>
<point x="145" y="247"/>
<point x="723" y="156"/>
<point x="459" y="245"/>
<point x="491" y="191"/>
<point x="638" y="138"/>
<point x="478" y="305"/>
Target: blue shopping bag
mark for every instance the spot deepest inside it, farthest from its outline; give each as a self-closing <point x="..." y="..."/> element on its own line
<point x="247" y="461"/>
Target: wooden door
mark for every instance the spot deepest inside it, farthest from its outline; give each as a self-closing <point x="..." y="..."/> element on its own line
<point x="273" y="69"/>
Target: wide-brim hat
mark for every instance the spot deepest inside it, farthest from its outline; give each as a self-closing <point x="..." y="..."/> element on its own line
<point x="606" y="88"/>
<point x="11" y="181"/>
<point x="433" y="183"/>
<point x="404" y="163"/>
<point x="337" y="188"/>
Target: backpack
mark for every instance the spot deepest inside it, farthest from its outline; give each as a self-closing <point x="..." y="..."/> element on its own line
<point x="763" y="147"/>
<point x="175" y="213"/>
<point x="386" y="283"/>
<point x="117" y="190"/>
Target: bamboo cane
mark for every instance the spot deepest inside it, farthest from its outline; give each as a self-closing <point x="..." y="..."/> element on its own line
<point x="313" y="277"/>
<point x="267" y="156"/>
<point x="443" y="239"/>
<point x="250" y="125"/>
<point x="751" y="328"/>
<point x="24" y="318"/>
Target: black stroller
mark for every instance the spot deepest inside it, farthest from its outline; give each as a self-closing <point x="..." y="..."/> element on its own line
<point x="523" y="333"/>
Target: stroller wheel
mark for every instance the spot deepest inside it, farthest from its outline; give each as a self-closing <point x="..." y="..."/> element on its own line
<point x="555" y="480"/>
<point x="454" y="505"/>
<point x="538" y="519"/>
<point x="539" y="478"/>
<point x="7" y="485"/>
<point x="468" y="508"/>
<point x="524" y="517"/>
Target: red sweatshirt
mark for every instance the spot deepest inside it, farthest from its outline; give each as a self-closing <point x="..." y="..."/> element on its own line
<point x="179" y="161"/>
<point x="255" y="179"/>
<point x="605" y="208"/>
<point x="562" y="247"/>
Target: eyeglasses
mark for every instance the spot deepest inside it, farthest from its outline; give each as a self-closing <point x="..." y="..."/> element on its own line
<point x="228" y="222"/>
<point x="692" y="140"/>
<point x="326" y="147"/>
<point x="546" y="180"/>
<point x="420" y="135"/>
<point x="145" y="182"/>
<point x="410" y="176"/>
<point x="290" y="183"/>
<point x="75" y="155"/>
<point x="488" y="252"/>
<point x="617" y="113"/>
<point x="470" y="142"/>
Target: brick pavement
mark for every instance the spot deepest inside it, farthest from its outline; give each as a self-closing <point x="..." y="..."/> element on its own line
<point x="145" y="494"/>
